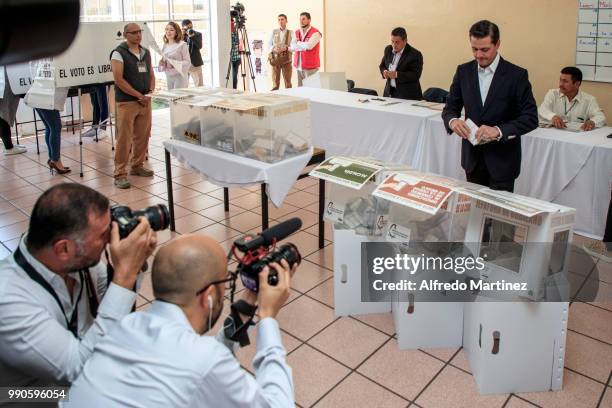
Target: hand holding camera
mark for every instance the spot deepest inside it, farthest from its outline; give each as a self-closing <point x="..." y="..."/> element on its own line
<point x="129" y="254"/>
<point x="271" y="298"/>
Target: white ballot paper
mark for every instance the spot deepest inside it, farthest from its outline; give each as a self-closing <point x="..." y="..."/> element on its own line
<point x="472" y="137"/>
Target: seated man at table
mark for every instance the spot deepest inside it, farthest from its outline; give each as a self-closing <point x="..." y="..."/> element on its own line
<point x="568" y="107"/>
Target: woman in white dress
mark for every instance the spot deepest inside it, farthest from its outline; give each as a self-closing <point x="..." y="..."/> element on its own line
<point x="175" y="60"/>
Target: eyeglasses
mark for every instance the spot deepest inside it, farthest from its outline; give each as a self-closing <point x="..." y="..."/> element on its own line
<point x="134" y="32"/>
<point x="230" y="284"/>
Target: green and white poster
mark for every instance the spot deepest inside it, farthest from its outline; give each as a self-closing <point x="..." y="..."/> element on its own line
<point x="346" y="171"/>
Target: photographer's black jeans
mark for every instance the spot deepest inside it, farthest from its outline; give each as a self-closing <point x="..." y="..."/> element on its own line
<point x="5" y="134"/>
<point x="99" y="103"/>
<point x="235" y="67"/>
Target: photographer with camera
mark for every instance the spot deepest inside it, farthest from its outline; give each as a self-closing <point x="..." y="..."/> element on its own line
<point x="160" y="358"/>
<point x="56" y="301"/>
<point x="193" y="39"/>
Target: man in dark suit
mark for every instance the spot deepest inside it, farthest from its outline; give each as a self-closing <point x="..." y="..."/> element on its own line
<point x="193" y="39"/>
<point x="401" y="66"/>
<point x="497" y="97"/>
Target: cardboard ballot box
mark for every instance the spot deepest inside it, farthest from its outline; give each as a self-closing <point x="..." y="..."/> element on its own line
<point x="515" y="346"/>
<point x="265" y="127"/>
<point x="348" y="277"/>
<point x="523" y="240"/>
<point x="424" y="209"/>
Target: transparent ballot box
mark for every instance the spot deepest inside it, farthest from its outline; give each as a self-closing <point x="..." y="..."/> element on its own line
<point x="185" y="105"/>
<point x="264" y="127"/>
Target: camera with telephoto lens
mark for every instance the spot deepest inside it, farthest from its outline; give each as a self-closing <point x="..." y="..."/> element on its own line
<point x="237" y="13"/>
<point x="190" y="32"/>
<point x="260" y="250"/>
<point x="157" y="215"/>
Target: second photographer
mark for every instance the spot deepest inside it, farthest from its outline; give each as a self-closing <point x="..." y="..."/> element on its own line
<point x="160" y="358"/>
<point x="193" y="39"/>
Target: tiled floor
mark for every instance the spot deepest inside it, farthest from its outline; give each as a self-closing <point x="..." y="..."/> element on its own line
<point x="336" y="362"/>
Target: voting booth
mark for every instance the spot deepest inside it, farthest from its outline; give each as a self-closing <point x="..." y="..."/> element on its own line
<point x="357" y="217"/>
<point x="519" y="346"/>
<point x="424" y="210"/>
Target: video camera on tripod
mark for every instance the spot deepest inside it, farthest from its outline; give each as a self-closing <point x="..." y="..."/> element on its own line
<point x="237" y="13"/>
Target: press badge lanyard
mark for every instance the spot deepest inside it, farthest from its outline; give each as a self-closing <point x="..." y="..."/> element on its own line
<point x="72" y="324"/>
<point x="571" y="107"/>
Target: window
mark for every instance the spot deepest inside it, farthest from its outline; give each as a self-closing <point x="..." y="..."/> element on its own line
<point x="156" y="13"/>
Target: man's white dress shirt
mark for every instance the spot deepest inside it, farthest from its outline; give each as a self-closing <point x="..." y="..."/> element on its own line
<point x="485" y="78"/>
<point x="154" y="358"/>
<point x="582" y="108"/>
<point x="393" y="67"/>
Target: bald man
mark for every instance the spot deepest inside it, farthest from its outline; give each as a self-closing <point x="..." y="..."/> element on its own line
<point x="159" y="358"/>
<point x="134" y="79"/>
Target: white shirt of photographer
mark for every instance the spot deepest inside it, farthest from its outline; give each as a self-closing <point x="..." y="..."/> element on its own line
<point x="36" y="348"/>
<point x="154" y="358"/>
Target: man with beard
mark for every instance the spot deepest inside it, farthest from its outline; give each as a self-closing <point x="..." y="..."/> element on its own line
<point x="55" y="299"/>
<point x="160" y="358"/>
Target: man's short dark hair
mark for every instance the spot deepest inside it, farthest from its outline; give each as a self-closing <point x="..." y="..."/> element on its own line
<point x="63" y="211"/>
<point x="576" y="73"/>
<point x="282" y="15"/>
<point x="186" y="22"/>
<point x="485" y="28"/>
<point x="306" y="14"/>
<point x="399" y="32"/>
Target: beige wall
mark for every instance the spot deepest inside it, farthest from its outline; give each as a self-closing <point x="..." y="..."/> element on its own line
<point x="262" y="16"/>
<point x="538" y="35"/>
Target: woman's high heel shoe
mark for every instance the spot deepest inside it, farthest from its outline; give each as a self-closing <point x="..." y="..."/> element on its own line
<point x="53" y="167"/>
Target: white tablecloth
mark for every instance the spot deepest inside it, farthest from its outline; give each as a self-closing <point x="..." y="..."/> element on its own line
<point x="230" y="170"/>
<point x="567" y="168"/>
<point x="342" y="125"/>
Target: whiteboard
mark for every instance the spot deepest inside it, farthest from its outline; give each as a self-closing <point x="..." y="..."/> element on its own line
<point x="594" y="40"/>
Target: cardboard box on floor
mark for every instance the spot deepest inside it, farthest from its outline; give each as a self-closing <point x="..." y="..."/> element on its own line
<point x="425" y="208"/>
<point x="518" y="346"/>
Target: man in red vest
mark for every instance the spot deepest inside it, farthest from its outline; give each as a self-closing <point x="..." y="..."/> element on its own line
<point x="305" y="46"/>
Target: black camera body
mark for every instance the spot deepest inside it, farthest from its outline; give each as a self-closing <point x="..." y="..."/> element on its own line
<point x="237" y="13"/>
<point x="260" y="250"/>
<point x="127" y="219"/>
<point x="249" y="274"/>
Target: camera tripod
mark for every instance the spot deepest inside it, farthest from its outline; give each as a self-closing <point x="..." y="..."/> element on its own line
<point x="245" y="56"/>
